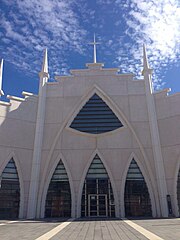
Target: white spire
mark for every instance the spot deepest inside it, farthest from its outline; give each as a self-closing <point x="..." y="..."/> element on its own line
<point x="145" y="59"/>
<point x="38" y="140"/>
<point x="147" y="71"/>
<point x="94" y="44"/>
<point x="44" y="75"/>
<point x="155" y="137"/>
<point x="1" y="73"/>
<point x="45" y="62"/>
<point x="146" y="68"/>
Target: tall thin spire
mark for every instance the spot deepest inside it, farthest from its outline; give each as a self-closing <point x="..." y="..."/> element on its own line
<point x="155" y="136"/>
<point x="44" y="75"/>
<point x="38" y="140"/>
<point x="147" y="71"/>
<point x="94" y="43"/>
<point x="1" y="73"/>
<point x="45" y="62"/>
<point x="145" y="59"/>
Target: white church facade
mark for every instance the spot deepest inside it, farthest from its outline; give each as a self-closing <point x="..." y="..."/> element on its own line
<point x="96" y="143"/>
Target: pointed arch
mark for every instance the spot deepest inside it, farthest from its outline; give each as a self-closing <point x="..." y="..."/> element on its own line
<point x="45" y="185"/>
<point x="176" y="189"/>
<point x="105" y="171"/>
<point x="9" y="191"/>
<point x="95" y="90"/>
<point x="13" y="156"/>
<point x="119" y="113"/>
<point x="151" y="190"/>
<point x="133" y="197"/>
<point x="95" y="117"/>
<point x="58" y="198"/>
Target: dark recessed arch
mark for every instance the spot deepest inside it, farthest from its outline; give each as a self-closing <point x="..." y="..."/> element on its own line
<point x="58" y="198"/>
<point x="9" y="192"/>
<point x="178" y="190"/>
<point x="136" y="195"/>
<point x="97" y="196"/>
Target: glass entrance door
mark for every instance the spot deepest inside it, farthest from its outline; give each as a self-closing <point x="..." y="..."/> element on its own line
<point x="97" y="196"/>
<point x="97" y="205"/>
<point x="102" y="205"/>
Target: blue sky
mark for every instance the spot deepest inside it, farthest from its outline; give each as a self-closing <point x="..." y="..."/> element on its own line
<point x="66" y="27"/>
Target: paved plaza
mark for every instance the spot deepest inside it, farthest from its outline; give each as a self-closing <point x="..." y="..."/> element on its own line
<point x="91" y="229"/>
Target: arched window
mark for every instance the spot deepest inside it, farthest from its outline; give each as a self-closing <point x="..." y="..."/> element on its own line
<point x="96" y="117"/>
<point x="58" y="199"/>
<point x="9" y="192"/>
<point x="136" y="197"/>
<point x="97" y="197"/>
<point x="178" y="191"/>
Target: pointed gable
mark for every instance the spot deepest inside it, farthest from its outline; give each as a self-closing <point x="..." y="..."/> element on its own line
<point x="96" y="117"/>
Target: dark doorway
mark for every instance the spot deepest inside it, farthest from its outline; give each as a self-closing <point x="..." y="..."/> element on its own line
<point x="97" y="197"/>
<point x="178" y="191"/>
<point x="9" y="192"/>
<point x="58" y="200"/>
<point x="136" y="197"/>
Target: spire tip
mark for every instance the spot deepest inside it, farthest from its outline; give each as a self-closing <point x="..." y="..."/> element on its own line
<point x="145" y="59"/>
<point x="45" y="62"/>
<point x="1" y="73"/>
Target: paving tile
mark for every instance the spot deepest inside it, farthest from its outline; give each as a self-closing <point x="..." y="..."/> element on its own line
<point x="90" y="232"/>
<point x="168" y="229"/>
<point x="91" y="229"/>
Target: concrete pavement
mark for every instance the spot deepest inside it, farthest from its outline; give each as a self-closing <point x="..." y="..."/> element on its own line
<point x="91" y="229"/>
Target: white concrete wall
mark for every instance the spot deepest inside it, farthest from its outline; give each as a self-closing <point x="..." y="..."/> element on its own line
<point x="126" y="97"/>
<point x="17" y="139"/>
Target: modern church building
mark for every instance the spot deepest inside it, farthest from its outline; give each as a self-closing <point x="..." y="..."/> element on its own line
<point x="96" y="143"/>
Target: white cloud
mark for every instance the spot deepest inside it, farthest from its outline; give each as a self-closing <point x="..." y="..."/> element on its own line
<point x="63" y="25"/>
<point x="34" y="25"/>
<point x="157" y="24"/>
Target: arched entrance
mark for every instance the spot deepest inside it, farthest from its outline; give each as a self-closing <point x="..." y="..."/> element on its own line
<point x="9" y="192"/>
<point x="136" y="196"/>
<point x="97" y="197"/>
<point x="58" y="199"/>
<point x="178" y="191"/>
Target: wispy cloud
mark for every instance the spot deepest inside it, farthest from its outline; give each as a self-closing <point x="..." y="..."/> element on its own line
<point x="30" y="26"/>
<point x="64" y="27"/>
<point x="157" y="24"/>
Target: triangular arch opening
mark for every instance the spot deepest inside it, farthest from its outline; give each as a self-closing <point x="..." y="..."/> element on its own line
<point x="9" y="192"/>
<point x="136" y="195"/>
<point x="97" y="196"/>
<point x="178" y="191"/>
<point x="58" y="198"/>
<point x="96" y="117"/>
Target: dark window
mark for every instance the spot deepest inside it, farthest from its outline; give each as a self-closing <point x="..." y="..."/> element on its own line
<point x="96" y="117"/>
<point x="58" y="200"/>
<point x="9" y="192"/>
<point x="136" y="197"/>
<point x="97" y="197"/>
<point x="178" y="191"/>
